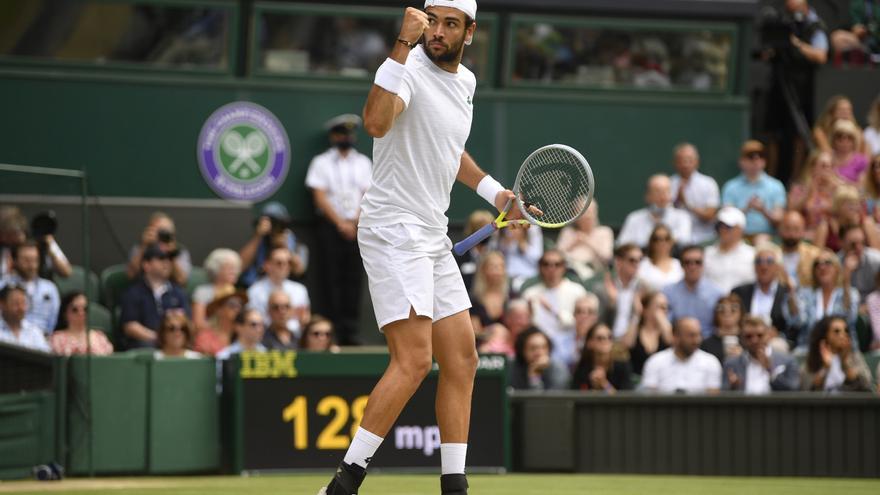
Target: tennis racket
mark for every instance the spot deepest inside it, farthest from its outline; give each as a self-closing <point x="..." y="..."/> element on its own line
<point x="554" y="186"/>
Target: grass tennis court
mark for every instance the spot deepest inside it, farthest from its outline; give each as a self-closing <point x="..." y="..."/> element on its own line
<point x="514" y="484"/>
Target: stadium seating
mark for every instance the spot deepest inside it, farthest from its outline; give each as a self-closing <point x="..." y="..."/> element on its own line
<point x="77" y="282"/>
<point x="100" y="318"/>
<point x="198" y="276"/>
<point x="114" y="281"/>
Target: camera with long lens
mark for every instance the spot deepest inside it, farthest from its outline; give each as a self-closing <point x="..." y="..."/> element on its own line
<point x="165" y="236"/>
<point x="776" y="29"/>
<point x="43" y="224"/>
<point x="278" y="225"/>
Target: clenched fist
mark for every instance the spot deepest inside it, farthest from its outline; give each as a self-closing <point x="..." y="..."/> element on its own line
<point x="414" y="24"/>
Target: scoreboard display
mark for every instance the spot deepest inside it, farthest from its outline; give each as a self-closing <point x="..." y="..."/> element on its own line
<point x="300" y="411"/>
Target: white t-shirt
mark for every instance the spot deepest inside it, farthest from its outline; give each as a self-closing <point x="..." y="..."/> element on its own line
<point x="655" y="278"/>
<point x="638" y="226"/>
<point x="701" y="192"/>
<point x="416" y="162"/>
<point x="345" y="179"/>
<point x="664" y="372"/>
<point x="261" y="290"/>
<point x="731" y="269"/>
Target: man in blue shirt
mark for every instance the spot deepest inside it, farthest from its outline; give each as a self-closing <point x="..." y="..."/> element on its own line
<point x="693" y="296"/>
<point x="43" y="298"/>
<point x="145" y="303"/>
<point x="760" y="196"/>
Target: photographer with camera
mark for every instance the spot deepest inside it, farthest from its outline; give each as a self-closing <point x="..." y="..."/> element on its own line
<point x="795" y="43"/>
<point x="271" y="230"/>
<point x="52" y="258"/>
<point x="13" y="232"/>
<point x="161" y="231"/>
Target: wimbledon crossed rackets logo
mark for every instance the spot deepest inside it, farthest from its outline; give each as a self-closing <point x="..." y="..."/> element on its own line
<point x="243" y="152"/>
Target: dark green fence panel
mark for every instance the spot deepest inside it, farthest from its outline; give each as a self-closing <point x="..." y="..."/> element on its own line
<point x="27" y="432"/>
<point x="116" y="398"/>
<point x="138" y="137"/>
<point x="781" y="435"/>
<point x="184" y="417"/>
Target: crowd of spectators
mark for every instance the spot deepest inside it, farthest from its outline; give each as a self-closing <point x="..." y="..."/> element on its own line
<point x="750" y="286"/>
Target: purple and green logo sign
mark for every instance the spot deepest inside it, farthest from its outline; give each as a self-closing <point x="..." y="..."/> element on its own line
<point x="243" y="152"/>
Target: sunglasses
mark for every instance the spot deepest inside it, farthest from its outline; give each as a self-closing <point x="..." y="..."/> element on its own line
<point x="753" y="155"/>
<point x="634" y="261"/>
<point x="697" y="262"/>
<point x="751" y="336"/>
<point x="554" y="264"/>
<point x="765" y="261"/>
<point x="276" y="307"/>
<point x="79" y="308"/>
<point x="728" y="308"/>
<point x="175" y="328"/>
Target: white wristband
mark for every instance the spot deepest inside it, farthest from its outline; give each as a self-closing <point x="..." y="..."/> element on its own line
<point x="488" y="189"/>
<point x="389" y="75"/>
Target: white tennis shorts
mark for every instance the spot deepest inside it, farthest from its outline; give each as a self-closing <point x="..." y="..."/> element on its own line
<point x="410" y="266"/>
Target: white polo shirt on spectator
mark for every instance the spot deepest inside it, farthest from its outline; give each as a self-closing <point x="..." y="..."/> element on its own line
<point x="259" y="292"/>
<point x="701" y="191"/>
<point x="731" y="269"/>
<point x="29" y="336"/>
<point x="638" y="226"/>
<point x="665" y="372"/>
<point x="345" y="179"/>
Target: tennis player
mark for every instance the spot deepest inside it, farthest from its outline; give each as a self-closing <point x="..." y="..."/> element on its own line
<point x="419" y="111"/>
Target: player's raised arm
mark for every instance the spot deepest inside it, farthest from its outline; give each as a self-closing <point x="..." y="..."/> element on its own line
<point x="383" y="105"/>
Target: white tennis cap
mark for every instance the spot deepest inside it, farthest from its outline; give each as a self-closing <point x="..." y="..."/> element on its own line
<point x="732" y="217"/>
<point x="469" y="7"/>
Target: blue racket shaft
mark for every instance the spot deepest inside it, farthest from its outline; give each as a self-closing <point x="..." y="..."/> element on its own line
<point x="472" y="240"/>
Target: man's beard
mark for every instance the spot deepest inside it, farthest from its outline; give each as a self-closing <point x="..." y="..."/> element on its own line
<point x="452" y="54"/>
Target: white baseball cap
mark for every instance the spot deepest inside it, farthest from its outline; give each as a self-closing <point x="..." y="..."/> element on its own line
<point x="732" y="217"/>
<point x="469" y="7"/>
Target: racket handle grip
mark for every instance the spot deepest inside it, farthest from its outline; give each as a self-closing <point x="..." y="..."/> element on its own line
<point x="472" y="240"/>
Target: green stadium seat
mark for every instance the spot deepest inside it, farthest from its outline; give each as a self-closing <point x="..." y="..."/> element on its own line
<point x="100" y="319"/>
<point x="114" y="281"/>
<point x="77" y="282"/>
<point x="198" y="276"/>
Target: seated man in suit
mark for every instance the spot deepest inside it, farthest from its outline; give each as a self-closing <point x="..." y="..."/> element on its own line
<point x="766" y="296"/>
<point x="761" y="369"/>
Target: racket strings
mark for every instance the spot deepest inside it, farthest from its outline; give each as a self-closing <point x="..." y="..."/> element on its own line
<point x="557" y="183"/>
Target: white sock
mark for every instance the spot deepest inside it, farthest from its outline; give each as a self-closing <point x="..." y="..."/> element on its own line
<point x="362" y="448"/>
<point x="452" y="458"/>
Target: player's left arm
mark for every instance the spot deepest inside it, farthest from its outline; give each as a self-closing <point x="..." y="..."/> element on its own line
<point x="470" y="174"/>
